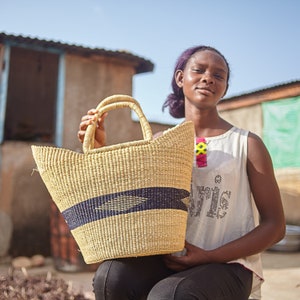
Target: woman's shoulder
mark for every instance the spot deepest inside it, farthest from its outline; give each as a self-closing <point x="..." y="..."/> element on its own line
<point x="257" y="150"/>
<point x="255" y="140"/>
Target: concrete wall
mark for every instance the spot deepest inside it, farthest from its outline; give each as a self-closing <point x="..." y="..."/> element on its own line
<point x="106" y="77"/>
<point x="25" y="202"/>
<point x="88" y="81"/>
<point x="289" y="182"/>
<point x="249" y="118"/>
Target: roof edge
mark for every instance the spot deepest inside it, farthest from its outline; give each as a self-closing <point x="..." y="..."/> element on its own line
<point x="275" y="92"/>
<point x="141" y="64"/>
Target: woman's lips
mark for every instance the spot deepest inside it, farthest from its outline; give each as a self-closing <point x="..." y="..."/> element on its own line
<point x="205" y="91"/>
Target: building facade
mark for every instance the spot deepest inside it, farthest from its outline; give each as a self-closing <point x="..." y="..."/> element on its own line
<point x="45" y="88"/>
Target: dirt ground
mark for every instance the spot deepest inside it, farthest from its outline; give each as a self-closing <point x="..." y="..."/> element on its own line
<point x="282" y="276"/>
<point x="281" y="271"/>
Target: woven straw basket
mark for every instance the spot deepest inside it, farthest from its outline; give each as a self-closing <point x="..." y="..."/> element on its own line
<point x="124" y="200"/>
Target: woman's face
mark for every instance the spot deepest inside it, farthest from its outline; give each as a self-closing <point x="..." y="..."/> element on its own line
<point x="204" y="79"/>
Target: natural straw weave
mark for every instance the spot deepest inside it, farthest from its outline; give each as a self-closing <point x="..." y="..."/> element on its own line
<point x="124" y="200"/>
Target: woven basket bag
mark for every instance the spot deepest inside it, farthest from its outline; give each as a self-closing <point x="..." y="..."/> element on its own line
<point x="123" y="200"/>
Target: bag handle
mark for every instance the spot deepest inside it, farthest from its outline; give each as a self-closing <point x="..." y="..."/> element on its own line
<point x="111" y="103"/>
<point x="116" y="99"/>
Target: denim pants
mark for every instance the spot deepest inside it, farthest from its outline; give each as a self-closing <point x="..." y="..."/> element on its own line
<point x="148" y="278"/>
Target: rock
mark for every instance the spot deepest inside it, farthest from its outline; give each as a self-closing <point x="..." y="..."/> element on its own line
<point x="37" y="260"/>
<point x="21" y="262"/>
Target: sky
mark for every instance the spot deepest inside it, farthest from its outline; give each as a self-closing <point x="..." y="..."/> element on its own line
<point x="260" y="39"/>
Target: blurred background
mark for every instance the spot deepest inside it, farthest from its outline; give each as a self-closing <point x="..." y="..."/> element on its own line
<point x="260" y="39"/>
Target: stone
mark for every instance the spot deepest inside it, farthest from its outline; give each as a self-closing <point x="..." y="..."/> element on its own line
<point x="21" y="262"/>
<point x="37" y="260"/>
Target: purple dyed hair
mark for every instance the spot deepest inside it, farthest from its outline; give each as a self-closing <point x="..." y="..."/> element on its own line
<point x="175" y="100"/>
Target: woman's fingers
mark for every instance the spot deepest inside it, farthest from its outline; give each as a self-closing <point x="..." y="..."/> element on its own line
<point x="80" y="135"/>
<point x="100" y="121"/>
<point x="90" y="118"/>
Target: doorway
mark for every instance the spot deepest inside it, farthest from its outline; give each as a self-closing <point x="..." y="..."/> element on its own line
<point x="31" y="95"/>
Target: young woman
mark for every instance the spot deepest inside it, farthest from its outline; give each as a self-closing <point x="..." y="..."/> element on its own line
<point x="232" y="180"/>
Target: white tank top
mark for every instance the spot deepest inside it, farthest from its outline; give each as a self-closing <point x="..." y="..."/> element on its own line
<point x="221" y="208"/>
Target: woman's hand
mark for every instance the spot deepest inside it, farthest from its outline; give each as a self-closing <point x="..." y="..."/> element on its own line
<point x="194" y="256"/>
<point x="88" y="119"/>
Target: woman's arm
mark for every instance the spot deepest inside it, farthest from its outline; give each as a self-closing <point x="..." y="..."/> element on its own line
<point x="266" y="194"/>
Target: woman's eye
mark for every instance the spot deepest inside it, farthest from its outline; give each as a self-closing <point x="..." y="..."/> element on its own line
<point x="219" y="76"/>
<point x="197" y="70"/>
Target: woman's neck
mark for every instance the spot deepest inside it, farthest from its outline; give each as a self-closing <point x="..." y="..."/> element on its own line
<point x="208" y="123"/>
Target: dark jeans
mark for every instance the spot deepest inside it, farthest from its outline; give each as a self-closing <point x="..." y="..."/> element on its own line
<point x="148" y="278"/>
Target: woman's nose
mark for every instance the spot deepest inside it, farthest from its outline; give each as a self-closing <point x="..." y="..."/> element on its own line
<point x="207" y="77"/>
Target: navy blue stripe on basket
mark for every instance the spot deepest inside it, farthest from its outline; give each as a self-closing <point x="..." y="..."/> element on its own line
<point x="123" y="203"/>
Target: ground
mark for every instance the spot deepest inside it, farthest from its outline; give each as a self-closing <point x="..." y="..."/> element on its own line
<point x="281" y="271"/>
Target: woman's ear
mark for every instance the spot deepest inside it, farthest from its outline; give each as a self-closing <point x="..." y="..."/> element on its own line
<point x="179" y="78"/>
